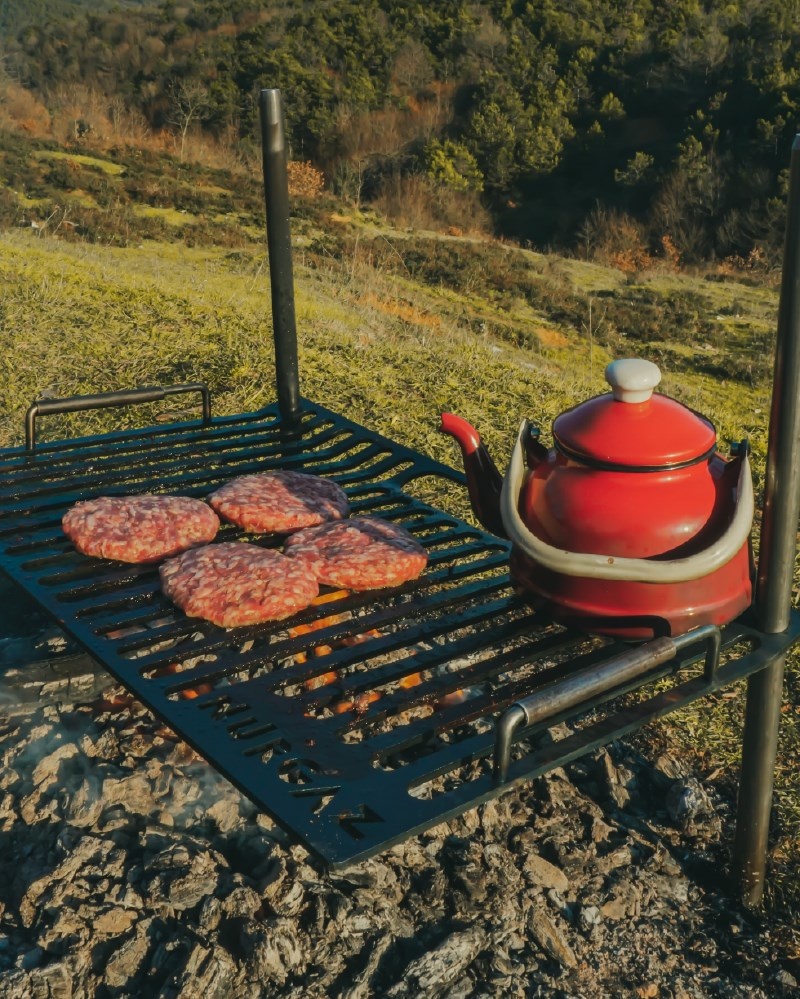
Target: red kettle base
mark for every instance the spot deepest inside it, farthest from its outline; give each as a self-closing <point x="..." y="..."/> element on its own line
<point x="636" y="611"/>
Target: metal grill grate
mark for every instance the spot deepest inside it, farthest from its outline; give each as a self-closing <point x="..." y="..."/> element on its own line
<point x="360" y="732"/>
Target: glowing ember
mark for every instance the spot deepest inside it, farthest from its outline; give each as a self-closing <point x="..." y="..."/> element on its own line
<point x="412" y="680"/>
<point x="359" y="704"/>
<point x="323" y="650"/>
<point x="191" y="692"/>
<point x="454" y="697"/>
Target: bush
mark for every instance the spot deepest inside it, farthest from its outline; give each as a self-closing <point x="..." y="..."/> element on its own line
<point x="305" y="181"/>
<point x="615" y="238"/>
<point x="416" y="202"/>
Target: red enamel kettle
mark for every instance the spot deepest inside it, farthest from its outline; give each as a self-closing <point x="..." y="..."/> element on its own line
<point x="632" y="524"/>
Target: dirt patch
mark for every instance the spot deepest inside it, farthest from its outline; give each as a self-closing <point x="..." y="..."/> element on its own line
<point x="402" y="311"/>
<point x="550" y="337"/>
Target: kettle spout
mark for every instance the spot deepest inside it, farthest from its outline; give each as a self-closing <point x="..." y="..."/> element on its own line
<point x="484" y="481"/>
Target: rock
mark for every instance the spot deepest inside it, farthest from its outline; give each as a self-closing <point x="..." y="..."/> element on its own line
<point x="625" y="902"/>
<point x="55" y="981"/>
<point x="608" y="862"/>
<point x="277" y="950"/>
<point x="185" y="892"/>
<point x="36" y="808"/>
<point x="617" y="780"/>
<point x="85" y="805"/>
<point x="551" y="938"/>
<point x="127" y="958"/>
<point x="68" y="929"/>
<point x="288" y="900"/>
<point x="210" y="914"/>
<point x="30" y="958"/>
<point x="669" y="766"/>
<point x="589" y="916"/>
<point x="225" y="813"/>
<point x="687" y="801"/>
<point x="361" y="987"/>
<point x="114" y="922"/>
<point x="207" y="974"/>
<point x="241" y="902"/>
<point x="541" y="872"/>
<point x="46" y="770"/>
<point x="134" y="793"/>
<point x="434" y="971"/>
<point x="600" y="831"/>
<point x="83" y="853"/>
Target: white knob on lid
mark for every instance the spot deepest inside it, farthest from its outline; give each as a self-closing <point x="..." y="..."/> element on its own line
<point x="632" y="379"/>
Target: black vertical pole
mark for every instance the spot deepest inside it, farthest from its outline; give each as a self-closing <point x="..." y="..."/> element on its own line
<point x="279" y="248"/>
<point x="775" y="566"/>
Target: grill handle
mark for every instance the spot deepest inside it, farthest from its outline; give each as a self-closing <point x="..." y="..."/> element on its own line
<point x="576" y="690"/>
<point x="103" y="400"/>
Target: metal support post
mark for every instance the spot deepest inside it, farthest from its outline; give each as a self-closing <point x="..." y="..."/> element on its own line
<point x="775" y="567"/>
<point x="279" y="247"/>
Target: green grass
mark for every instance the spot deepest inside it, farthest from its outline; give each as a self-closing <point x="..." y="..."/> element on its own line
<point x="168" y="215"/>
<point x="390" y="349"/>
<point x="107" y="166"/>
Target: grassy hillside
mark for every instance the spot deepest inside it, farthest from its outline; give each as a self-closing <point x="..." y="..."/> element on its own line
<point x="394" y="325"/>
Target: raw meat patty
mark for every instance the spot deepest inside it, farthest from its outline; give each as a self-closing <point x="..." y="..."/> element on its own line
<point x="362" y="553"/>
<point x="139" y="528"/>
<point x="279" y="502"/>
<point x="234" y="584"/>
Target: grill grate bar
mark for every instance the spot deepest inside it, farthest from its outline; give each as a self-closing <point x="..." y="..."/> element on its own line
<point x="347" y="469"/>
<point x="169" y="451"/>
<point x="498" y="695"/>
<point x="347" y="451"/>
<point x="413" y="632"/>
<point x="217" y="639"/>
<point x="107" y="445"/>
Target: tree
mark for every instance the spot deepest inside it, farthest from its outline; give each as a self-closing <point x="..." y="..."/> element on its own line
<point x="188" y="100"/>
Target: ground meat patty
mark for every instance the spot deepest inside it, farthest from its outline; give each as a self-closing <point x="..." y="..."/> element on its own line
<point x="236" y="583"/>
<point x="139" y="528"/>
<point x="362" y="553"/>
<point x="279" y="502"/>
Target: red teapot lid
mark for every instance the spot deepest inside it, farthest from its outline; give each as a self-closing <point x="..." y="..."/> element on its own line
<point x="630" y="427"/>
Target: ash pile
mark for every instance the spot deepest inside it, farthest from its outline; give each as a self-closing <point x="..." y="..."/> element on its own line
<point x="129" y="867"/>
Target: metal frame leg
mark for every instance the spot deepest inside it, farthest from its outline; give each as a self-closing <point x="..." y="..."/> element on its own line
<point x="279" y="245"/>
<point x="759" y="750"/>
<point x="775" y="567"/>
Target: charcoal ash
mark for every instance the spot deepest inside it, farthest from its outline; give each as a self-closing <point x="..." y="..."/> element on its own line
<point x="129" y="867"/>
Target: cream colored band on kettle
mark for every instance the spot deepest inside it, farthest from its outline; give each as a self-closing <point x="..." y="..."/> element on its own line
<point x="634" y="570"/>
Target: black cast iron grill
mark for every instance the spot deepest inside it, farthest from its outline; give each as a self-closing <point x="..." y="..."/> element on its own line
<point x="351" y="783"/>
<point x="402" y="707"/>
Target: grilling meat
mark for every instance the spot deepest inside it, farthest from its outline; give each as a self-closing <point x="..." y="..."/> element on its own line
<point x="279" y="502"/>
<point x="139" y="528"/>
<point x="363" y="553"/>
<point x="235" y="583"/>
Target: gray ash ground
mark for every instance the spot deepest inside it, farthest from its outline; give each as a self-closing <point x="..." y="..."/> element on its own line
<point x="128" y="867"/>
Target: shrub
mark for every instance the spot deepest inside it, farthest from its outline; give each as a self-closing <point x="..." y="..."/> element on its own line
<point x="417" y="202"/>
<point x="305" y="180"/>
<point x="615" y="238"/>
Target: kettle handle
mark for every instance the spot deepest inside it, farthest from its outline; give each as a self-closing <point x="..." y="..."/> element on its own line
<point x="634" y="570"/>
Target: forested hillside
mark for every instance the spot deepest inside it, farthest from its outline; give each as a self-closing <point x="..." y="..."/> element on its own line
<point x="16" y="14"/>
<point x="638" y="127"/>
